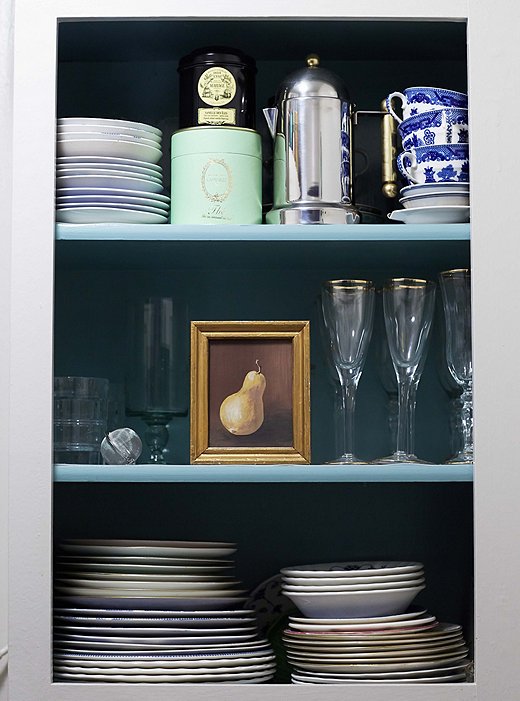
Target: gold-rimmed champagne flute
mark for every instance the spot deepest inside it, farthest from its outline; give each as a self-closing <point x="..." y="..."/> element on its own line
<point x="348" y="316"/>
<point x="408" y="310"/>
<point x="456" y="297"/>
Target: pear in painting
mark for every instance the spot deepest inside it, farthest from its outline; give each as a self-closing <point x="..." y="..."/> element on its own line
<point x="242" y="413"/>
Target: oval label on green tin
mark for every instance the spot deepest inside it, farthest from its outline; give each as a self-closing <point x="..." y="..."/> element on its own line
<point x="216" y="180"/>
<point x="216" y="86"/>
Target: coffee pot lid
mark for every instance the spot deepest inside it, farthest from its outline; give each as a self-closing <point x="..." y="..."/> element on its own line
<point x="312" y="81"/>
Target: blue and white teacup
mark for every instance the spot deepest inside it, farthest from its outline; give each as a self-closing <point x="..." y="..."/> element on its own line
<point x="435" y="164"/>
<point x="421" y="99"/>
<point x="449" y="126"/>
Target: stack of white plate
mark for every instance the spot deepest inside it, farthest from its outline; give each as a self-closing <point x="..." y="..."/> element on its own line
<point x="154" y="611"/>
<point x="106" y="171"/>
<point x="433" y="203"/>
<point x="410" y="647"/>
<point x="357" y="627"/>
<point x="352" y="589"/>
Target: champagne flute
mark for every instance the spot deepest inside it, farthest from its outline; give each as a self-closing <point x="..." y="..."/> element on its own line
<point x="456" y="296"/>
<point x="348" y="315"/>
<point x="152" y="383"/>
<point x="408" y="309"/>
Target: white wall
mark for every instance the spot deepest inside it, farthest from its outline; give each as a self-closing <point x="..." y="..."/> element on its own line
<point x="6" y="25"/>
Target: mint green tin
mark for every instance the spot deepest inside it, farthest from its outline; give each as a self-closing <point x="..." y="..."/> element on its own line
<point x="216" y="176"/>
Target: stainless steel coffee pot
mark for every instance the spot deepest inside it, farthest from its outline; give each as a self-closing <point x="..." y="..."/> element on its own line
<point x="312" y="130"/>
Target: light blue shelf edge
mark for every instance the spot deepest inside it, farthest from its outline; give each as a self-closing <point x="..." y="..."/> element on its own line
<point x="262" y="232"/>
<point x="263" y="473"/>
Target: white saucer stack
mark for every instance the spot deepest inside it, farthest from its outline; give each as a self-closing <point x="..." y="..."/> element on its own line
<point x="357" y="627"/>
<point x="433" y="203"/>
<point x="153" y="611"/>
<point x="107" y="171"/>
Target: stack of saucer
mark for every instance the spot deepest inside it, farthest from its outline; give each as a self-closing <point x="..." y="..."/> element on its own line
<point x="364" y="633"/>
<point x="106" y="171"/>
<point x="153" y="611"/>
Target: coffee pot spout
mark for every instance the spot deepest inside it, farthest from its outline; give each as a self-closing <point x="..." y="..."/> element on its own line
<point x="271" y="117"/>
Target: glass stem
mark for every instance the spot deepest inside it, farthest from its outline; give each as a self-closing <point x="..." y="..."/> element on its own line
<point x="156" y="437"/>
<point x="349" y="387"/>
<point x="467" y="419"/>
<point x="412" y="403"/>
<point x="403" y="417"/>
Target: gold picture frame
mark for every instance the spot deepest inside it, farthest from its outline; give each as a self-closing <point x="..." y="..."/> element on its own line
<point x="229" y="423"/>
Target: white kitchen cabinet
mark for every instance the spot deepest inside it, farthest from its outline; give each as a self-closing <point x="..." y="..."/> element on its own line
<point x="67" y="57"/>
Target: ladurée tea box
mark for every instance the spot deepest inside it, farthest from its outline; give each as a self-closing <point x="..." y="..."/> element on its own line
<point x="216" y="176"/>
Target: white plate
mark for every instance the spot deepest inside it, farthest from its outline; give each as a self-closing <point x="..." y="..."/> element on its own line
<point x="75" y="668"/>
<point x="369" y="646"/>
<point x="352" y="603"/>
<point x="431" y="215"/>
<point x="100" y="136"/>
<point x="148" y="642"/>
<point x="114" y="206"/>
<point x="142" y="184"/>
<point x="155" y="603"/>
<point x="109" y="163"/>
<point x="114" y="132"/>
<point x="144" y="592"/>
<point x="112" y="192"/>
<point x="157" y="631"/>
<point x="355" y="587"/>
<point x="410" y="674"/>
<point x="210" y="658"/>
<point x="151" y="548"/>
<point x="101" y="215"/>
<point x="311" y="581"/>
<point x="417" y="680"/>
<point x="194" y="625"/>
<point x="144" y="564"/>
<point x="129" y="585"/>
<point x="352" y="569"/>
<point x="391" y="655"/>
<point x="116" y="149"/>
<point x="103" y="122"/>
<point x="414" y="612"/>
<point x="109" y="201"/>
<point x="162" y="614"/>
<point x="62" y="573"/>
<point x="448" y="199"/>
<point x="420" y="623"/>
<point x="442" y="630"/>
<point x="245" y="677"/>
<point x="425" y="188"/>
<point x="379" y="667"/>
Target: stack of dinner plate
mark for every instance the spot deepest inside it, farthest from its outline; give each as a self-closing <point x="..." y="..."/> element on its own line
<point x="153" y="611"/>
<point x="107" y="171"/>
<point x="358" y="627"/>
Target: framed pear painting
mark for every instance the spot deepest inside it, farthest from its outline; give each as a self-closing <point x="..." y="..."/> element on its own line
<point x="250" y="395"/>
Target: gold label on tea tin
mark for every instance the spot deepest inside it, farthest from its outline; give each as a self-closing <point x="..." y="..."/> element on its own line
<point x="216" y="86"/>
<point x="216" y="180"/>
<point x="216" y="116"/>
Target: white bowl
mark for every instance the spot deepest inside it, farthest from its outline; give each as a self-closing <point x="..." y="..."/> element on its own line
<point x="354" y="587"/>
<point x="427" y="199"/>
<point x="352" y="569"/>
<point x="354" y="604"/>
<point x="318" y="581"/>
<point x="101" y="122"/>
<point x="135" y="150"/>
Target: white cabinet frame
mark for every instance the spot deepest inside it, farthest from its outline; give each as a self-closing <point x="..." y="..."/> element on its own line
<point x="495" y="103"/>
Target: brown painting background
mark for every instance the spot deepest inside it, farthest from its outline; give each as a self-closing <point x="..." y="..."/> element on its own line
<point x="229" y="363"/>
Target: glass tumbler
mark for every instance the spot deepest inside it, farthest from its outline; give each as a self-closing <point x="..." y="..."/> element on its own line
<point x="80" y="419"/>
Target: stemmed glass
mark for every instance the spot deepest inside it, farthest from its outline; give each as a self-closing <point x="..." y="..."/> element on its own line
<point x="152" y="387"/>
<point x="456" y="296"/>
<point x="348" y="315"/>
<point x="408" y="309"/>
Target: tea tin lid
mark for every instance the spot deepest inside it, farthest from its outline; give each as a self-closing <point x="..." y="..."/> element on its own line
<point x="217" y="55"/>
<point x="312" y="81"/>
<point x="216" y="140"/>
